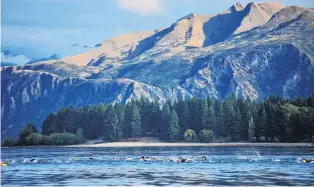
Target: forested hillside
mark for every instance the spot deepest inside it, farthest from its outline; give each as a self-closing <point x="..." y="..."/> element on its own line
<point x="273" y="119"/>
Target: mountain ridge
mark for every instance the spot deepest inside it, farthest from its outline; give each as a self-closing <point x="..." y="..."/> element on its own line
<point x="192" y="30"/>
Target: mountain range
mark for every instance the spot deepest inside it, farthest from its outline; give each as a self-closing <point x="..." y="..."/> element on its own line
<point x="253" y="51"/>
<point x="16" y="56"/>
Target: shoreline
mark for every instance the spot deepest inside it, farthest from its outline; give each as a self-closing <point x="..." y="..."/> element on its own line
<point x="187" y="144"/>
<point x="168" y="144"/>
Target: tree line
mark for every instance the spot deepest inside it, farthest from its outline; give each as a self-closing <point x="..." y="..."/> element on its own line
<point x="273" y="119"/>
<point x="30" y="136"/>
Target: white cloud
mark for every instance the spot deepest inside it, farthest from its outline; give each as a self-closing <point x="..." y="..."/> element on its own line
<point x="142" y="7"/>
<point x="16" y="59"/>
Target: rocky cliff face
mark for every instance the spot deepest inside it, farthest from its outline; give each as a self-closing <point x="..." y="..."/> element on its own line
<point x="181" y="61"/>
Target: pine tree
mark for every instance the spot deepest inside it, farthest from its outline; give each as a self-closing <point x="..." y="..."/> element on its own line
<point x="235" y="131"/>
<point x="204" y="114"/>
<point x="48" y="123"/>
<point x="212" y="121"/>
<point x="98" y="116"/>
<point x="220" y="128"/>
<point x="185" y="119"/>
<point x="310" y="101"/>
<point x="251" y="131"/>
<point x="263" y="123"/>
<point x="144" y="113"/>
<point x="174" y="133"/>
<point x="195" y="114"/>
<point x="165" y="121"/>
<point x="79" y="135"/>
<point x="29" y="129"/>
<point x="111" y="122"/>
<point x="154" y="118"/>
<point x="69" y="119"/>
<point x="126" y="128"/>
<point x="136" y="126"/>
<point x="120" y="112"/>
<point x="229" y="114"/>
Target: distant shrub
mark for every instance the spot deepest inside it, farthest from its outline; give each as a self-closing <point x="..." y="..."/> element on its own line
<point x="276" y="139"/>
<point x="79" y="136"/>
<point x="253" y="139"/>
<point x="219" y="139"/>
<point x="46" y="140"/>
<point x="227" y="138"/>
<point x="223" y="139"/>
<point x="269" y="139"/>
<point x="306" y="138"/>
<point x="62" y="138"/>
<point x="34" y="139"/>
<point x="9" y="142"/>
<point x="206" y="136"/>
<point x="190" y="136"/>
<point x="289" y="134"/>
<point x="262" y="139"/>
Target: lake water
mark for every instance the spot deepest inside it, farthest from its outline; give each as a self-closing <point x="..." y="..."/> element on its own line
<point x="224" y="166"/>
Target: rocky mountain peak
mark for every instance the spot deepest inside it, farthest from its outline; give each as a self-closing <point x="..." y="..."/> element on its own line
<point x="236" y="7"/>
<point x="190" y="31"/>
<point x="290" y="14"/>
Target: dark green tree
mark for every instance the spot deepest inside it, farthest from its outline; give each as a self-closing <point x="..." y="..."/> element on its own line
<point x="8" y="142"/>
<point x="219" y="129"/>
<point x="174" y="133"/>
<point x="126" y="128"/>
<point x="136" y="126"/>
<point x="212" y="121"/>
<point x="263" y="123"/>
<point x="165" y="122"/>
<point x="204" y="114"/>
<point x="120" y="112"/>
<point x="48" y="124"/>
<point x="34" y="139"/>
<point x="206" y="136"/>
<point x="190" y="136"/>
<point x="251" y="131"/>
<point x="185" y="119"/>
<point x="29" y="129"/>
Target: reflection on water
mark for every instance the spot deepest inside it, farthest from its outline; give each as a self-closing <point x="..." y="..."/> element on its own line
<point x="121" y="166"/>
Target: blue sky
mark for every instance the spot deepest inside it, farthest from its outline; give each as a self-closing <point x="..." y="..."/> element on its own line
<point x="38" y="28"/>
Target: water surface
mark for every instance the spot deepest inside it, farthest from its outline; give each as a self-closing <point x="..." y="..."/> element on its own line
<point x="99" y="167"/>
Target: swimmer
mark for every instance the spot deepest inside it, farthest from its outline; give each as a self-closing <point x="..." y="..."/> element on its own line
<point x="307" y="161"/>
<point x="204" y="158"/>
<point x="4" y="164"/>
<point x="90" y="158"/>
<point x="169" y="159"/>
<point x="142" y="158"/>
<point x="33" y="160"/>
<point x="181" y="159"/>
